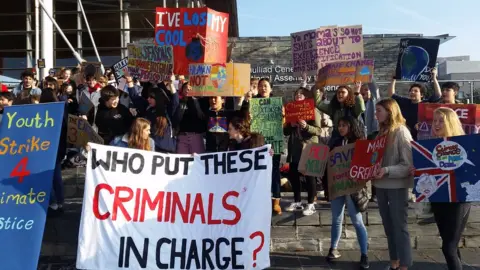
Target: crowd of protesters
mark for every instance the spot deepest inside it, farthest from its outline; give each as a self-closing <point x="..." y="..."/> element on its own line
<point x="159" y="117"/>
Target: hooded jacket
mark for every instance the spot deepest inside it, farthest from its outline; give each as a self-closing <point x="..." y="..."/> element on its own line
<point x="112" y="122"/>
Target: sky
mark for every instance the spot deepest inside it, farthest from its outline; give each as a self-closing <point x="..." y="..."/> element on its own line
<point x="427" y="17"/>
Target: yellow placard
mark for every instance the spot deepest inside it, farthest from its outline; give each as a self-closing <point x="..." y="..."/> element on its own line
<point x="226" y="80"/>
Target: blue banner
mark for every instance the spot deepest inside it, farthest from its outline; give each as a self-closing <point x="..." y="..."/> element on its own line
<point x="29" y="137"/>
<point x="447" y="169"/>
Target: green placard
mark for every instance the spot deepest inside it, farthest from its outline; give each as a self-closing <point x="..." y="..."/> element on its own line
<point x="266" y="114"/>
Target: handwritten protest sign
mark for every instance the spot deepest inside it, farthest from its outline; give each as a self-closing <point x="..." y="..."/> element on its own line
<point x="447" y="169"/>
<point x="313" y="159"/>
<point x="300" y="110"/>
<point x="120" y="68"/>
<point x="28" y="154"/>
<point x="342" y="43"/>
<point x="198" y="35"/>
<point x="304" y="52"/>
<point x="367" y="158"/>
<point x="416" y="59"/>
<point x="266" y="114"/>
<point x="346" y="72"/>
<point x="339" y="181"/>
<point x="231" y="79"/>
<point x="80" y="132"/>
<point x="193" y="213"/>
<point x="469" y="115"/>
<point x="149" y="62"/>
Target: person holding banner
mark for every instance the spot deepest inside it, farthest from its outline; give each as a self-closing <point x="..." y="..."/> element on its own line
<point x="138" y="137"/>
<point x="347" y="102"/>
<point x="300" y="134"/>
<point x="6" y="99"/>
<point x="451" y="218"/>
<point x="409" y="105"/>
<point x="393" y="180"/>
<point x="350" y="130"/>
<point x="57" y="196"/>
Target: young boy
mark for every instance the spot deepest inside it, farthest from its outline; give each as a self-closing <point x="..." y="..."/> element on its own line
<point x="6" y="99"/>
<point x="26" y="87"/>
<point x="112" y="119"/>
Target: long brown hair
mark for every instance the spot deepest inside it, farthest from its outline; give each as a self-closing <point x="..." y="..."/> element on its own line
<point x="242" y="125"/>
<point x="135" y="137"/>
<point x="349" y="102"/>
<point x="394" y="119"/>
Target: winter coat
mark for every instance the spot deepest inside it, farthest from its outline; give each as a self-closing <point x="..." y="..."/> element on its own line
<point x="112" y="122"/>
<point x="122" y="141"/>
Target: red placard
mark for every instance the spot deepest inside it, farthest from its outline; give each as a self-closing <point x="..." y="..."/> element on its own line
<point x="198" y="35"/>
<point x="367" y="158"/>
<point x="300" y="110"/>
<point x="469" y="115"/>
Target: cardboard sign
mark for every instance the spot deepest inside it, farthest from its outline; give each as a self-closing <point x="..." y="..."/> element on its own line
<point x="198" y="35"/>
<point x="304" y="52"/>
<point x="469" y="115"/>
<point x="338" y="171"/>
<point x="344" y="73"/>
<point x="367" y="158"/>
<point x="342" y="43"/>
<point x="227" y="80"/>
<point x="80" y="132"/>
<point x="314" y="159"/>
<point x="30" y="137"/>
<point x="447" y="169"/>
<point x="300" y="110"/>
<point x="266" y="115"/>
<point x="198" y="218"/>
<point x="416" y="59"/>
<point x="149" y="62"/>
<point x="120" y="68"/>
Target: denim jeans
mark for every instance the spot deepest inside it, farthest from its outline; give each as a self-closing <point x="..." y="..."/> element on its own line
<point x="276" y="177"/>
<point x="338" y="208"/>
<point x="57" y="194"/>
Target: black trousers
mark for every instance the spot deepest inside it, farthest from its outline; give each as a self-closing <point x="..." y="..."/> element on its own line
<point x="294" y="178"/>
<point x="451" y="220"/>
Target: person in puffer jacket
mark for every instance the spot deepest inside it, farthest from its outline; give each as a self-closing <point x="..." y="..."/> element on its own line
<point x="137" y="138"/>
<point x="163" y="103"/>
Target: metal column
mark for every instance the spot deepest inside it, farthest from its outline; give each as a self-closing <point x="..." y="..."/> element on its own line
<point x="79" y="30"/>
<point x="122" y="44"/>
<point x="37" y="35"/>
<point x="29" y="34"/>
<point x="126" y="25"/>
<point x="47" y="37"/>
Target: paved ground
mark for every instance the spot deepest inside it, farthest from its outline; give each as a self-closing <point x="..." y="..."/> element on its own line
<point x="424" y="260"/>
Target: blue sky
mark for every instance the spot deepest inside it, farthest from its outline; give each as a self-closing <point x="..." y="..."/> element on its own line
<point x="427" y="17"/>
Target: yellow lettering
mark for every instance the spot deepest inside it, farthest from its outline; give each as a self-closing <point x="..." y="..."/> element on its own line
<point x="13" y="151"/>
<point x="3" y="145"/>
<point x="10" y="119"/>
<point x="20" y="147"/>
<point x="31" y="196"/>
<point x="15" y="198"/>
<point x="45" y="145"/>
<point x="23" y="199"/>
<point x="41" y="197"/>
<point x="48" y="119"/>
<point x="34" y="144"/>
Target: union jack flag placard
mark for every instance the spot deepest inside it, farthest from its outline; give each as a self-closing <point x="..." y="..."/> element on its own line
<point x="446" y="169"/>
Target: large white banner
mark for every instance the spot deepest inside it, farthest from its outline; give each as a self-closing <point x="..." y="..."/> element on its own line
<point x="146" y="210"/>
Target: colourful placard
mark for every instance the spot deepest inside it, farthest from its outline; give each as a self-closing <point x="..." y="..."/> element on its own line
<point x="469" y="115"/>
<point x="227" y="80"/>
<point x="347" y="72"/>
<point x="198" y="35"/>
<point x="367" y="158"/>
<point x="338" y="171"/>
<point x="266" y="115"/>
<point x="80" y="132"/>
<point x="304" y="52"/>
<point x="149" y="62"/>
<point x="300" y="110"/>
<point x="313" y="159"/>
<point x="28" y="154"/>
<point x="447" y="169"/>
<point x="217" y="124"/>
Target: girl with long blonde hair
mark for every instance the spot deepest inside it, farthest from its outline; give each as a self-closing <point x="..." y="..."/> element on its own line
<point x="451" y="218"/>
<point x="393" y="180"/>
<point x="137" y="138"/>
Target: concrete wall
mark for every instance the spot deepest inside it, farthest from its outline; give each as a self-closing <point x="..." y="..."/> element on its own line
<point x="271" y="57"/>
<point x="452" y="67"/>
